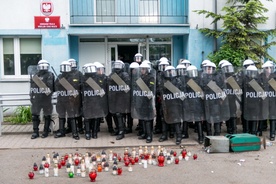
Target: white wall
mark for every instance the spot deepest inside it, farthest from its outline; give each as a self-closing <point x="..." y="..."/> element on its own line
<point x="209" y="5"/>
<point x="19" y="14"/>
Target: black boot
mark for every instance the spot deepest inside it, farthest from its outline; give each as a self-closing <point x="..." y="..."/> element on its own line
<point x="121" y="127"/>
<point x="217" y="128"/>
<point x="47" y="121"/>
<point x="143" y="130"/>
<point x="178" y="134"/>
<point x="95" y="126"/>
<point x="116" y="131"/>
<point x="171" y="130"/>
<point x="185" y="127"/>
<point x="80" y="125"/>
<point x="149" y="127"/>
<point x="199" y="132"/>
<point x="36" y="122"/>
<point x="260" y="127"/>
<point x="233" y="125"/>
<point x="61" y="132"/>
<point x="164" y="135"/>
<point x="253" y="127"/>
<point x="129" y="123"/>
<point x="272" y="130"/>
<point x="209" y="129"/>
<point x="245" y="126"/>
<point x="87" y="129"/>
<point x="74" y="128"/>
<point x="228" y="127"/>
<point x="108" y="119"/>
<point x="68" y="129"/>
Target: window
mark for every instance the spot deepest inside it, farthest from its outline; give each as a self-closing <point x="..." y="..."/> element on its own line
<point x="105" y="11"/>
<point x="18" y="55"/>
<point x="148" y="11"/>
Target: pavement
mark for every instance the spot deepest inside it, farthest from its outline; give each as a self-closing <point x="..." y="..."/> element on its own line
<point x="19" y="137"/>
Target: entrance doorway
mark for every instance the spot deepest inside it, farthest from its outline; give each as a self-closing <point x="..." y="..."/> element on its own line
<point x="127" y="52"/>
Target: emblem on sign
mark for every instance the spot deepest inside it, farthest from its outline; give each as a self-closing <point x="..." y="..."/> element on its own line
<point x="46" y="7"/>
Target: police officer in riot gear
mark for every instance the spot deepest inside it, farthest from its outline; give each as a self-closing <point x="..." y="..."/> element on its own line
<point x="233" y="91"/>
<point x="163" y="63"/>
<point x="78" y="74"/>
<point x="173" y="95"/>
<point x="268" y="78"/>
<point x="42" y="88"/>
<point x="119" y="93"/>
<point x="94" y="100"/>
<point x="143" y="98"/>
<point x="138" y="58"/>
<point x="194" y="104"/>
<point x="215" y="99"/>
<point x="254" y="108"/>
<point x="181" y="74"/>
<point x="68" y="88"/>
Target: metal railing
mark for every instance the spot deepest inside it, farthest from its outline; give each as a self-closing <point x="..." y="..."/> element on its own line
<point x="129" y="12"/>
<point x="15" y="100"/>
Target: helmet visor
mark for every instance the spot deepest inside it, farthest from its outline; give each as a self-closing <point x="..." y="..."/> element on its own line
<point x="192" y="73"/>
<point x="228" y="69"/>
<point x="90" y="69"/>
<point x="43" y="66"/>
<point x="170" y="73"/>
<point x="65" y="68"/>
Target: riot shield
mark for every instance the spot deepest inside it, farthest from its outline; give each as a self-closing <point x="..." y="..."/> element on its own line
<point x="255" y="99"/>
<point x="41" y="90"/>
<point x="194" y="104"/>
<point x="119" y="92"/>
<point x="270" y="102"/>
<point x="68" y="90"/>
<point x="32" y="69"/>
<point x="94" y="96"/>
<point x="143" y="94"/>
<point x="233" y="91"/>
<point x="173" y="96"/>
<point x="215" y="100"/>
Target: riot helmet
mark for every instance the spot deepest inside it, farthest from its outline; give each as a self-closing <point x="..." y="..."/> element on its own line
<point x="162" y="65"/>
<point x="186" y="63"/>
<point x="100" y="67"/>
<point x="133" y="65"/>
<point x="118" y="66"/>
<point x="227" y="67"/>
<point x="252" y="71"/>
<point x="43" y="65"/>
<point x="169" y="72"/>
<point x="247" y="63"/>
<point x="73" y="63"/>
<point x="147" y="62"/>
<point x="145" y="68"/>
<point x="138" y="58"/>
<point x="192" y="71"/>
<point x="222" y="62"/>
<point x="209" y="68"/>
<point x="90" y="68"/>
<point x="268" y="67"/>
<point x="180" y="70"/>
<point x="84" y="66"/>
<point x="65" y="66"/>
<point x="204" y="63"/>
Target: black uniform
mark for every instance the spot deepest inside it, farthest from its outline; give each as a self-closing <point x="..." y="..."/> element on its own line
<point x="42" y="88"/>
<point x="68" y="88"/>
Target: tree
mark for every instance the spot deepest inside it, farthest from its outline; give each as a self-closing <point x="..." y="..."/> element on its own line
<point x="240" y="37"/>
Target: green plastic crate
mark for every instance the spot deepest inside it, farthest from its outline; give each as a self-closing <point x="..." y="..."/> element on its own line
<point x="244" y="142"/>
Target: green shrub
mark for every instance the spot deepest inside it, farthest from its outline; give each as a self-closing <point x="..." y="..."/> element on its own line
<point x="21" y="115"/>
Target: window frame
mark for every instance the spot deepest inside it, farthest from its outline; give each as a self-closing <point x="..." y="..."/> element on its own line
<point x="17" y="61"/>
<point x="103" y="22"/>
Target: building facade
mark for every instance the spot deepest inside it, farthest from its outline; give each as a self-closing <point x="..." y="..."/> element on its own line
<point x="103" y="31"/>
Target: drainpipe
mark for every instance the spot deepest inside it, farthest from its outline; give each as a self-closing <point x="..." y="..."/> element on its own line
<point x="216" y="26"/>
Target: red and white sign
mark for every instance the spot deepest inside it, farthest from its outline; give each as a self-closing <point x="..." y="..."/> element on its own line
<point x="51" y="22"/>
<point x="46" y="7"/>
